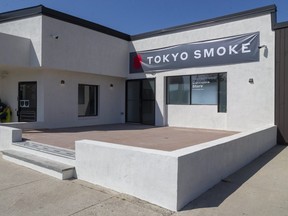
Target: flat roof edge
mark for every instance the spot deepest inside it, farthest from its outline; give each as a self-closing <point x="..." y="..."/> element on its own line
<point x="281" y="25"/>
<point x="42" y="10"/>
<point x="84" y="23"/>
<point x="208" y="22"/>
<point x="20" y="13"/>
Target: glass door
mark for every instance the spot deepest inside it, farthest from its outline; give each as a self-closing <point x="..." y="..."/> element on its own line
<point x="148" y="102"/>
<point x="27" y="102"/>
<point x="140" y="101"/>
<point x="133" y="101"/>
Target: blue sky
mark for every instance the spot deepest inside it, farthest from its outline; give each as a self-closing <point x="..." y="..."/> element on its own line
<point x="135" y="16"/>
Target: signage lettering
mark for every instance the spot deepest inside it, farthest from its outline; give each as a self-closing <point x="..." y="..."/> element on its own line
<point x="175" y="56"/>
<point x="221" y="51"/>
<point x="231" y="50"/>
<point x="166" y="58"/>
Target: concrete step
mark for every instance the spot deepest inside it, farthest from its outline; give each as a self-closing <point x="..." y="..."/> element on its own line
<point x="67" y="153"/>
<point x="50" y="167"/>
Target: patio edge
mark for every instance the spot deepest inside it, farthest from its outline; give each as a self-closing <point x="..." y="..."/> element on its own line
<point x="169" y="179"/>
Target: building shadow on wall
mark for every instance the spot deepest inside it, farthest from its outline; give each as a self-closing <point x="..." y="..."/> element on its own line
<point x="34" y="60"/>
<point x="220" y="192"/>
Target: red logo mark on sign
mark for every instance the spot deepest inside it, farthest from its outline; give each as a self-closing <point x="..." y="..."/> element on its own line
<point x="137" y="61"/>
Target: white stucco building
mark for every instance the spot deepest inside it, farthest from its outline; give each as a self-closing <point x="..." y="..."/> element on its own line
<point x="226" y="73"/>
<point x="57" y="70"/>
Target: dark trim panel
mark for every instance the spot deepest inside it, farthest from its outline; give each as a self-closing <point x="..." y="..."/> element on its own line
<point x="209" y="22"/>
<point x="281" y="85"/>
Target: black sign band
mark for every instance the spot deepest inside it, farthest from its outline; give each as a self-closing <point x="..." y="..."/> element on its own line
<point x="231" y="50"/>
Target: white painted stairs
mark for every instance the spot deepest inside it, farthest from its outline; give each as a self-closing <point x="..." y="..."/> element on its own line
<point x="50" y="160"/>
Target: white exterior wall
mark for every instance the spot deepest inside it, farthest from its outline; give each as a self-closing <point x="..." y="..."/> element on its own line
<point x="61" y="102"/>
<point x="82" y="56"/>
<point x="95" y="58"/>
<point x="9" y="89"/>
<point x="82" y="49"/>
<point x="24" y="40"/>
<point x="248" y="105"/>
<point x="86" y="51"/>
<point x="30" y="28"/>
<point x="58" y="105"/>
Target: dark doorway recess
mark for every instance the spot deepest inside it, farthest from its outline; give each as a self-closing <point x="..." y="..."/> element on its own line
<point x="140" y="101"/>
<point x="27" y="101"/>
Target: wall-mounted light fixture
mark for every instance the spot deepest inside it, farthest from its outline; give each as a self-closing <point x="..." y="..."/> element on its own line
<point x="62" y="82"/>
<point x="4" y="74"/>
<point x="262" y="46"/>
<point x="251" y="81"/>
<point x="54" y="36"/>
<point x="265" y="53"/>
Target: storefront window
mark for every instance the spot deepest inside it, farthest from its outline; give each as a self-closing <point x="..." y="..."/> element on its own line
<point x="204" y="89"/>
<point x="87" y="100"/>
<point x="178" y="90"/>
<point x="200" y="89"/>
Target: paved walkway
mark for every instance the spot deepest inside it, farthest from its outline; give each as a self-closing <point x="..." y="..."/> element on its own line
<point x="259" y="189"/>
<point x="162" y="138"/>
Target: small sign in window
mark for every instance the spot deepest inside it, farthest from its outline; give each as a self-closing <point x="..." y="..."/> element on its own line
<point x="24" y="103"/>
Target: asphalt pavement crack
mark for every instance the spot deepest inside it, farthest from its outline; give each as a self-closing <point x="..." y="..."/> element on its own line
<point x="15" y="186"/>
<point x="96" y="204"/>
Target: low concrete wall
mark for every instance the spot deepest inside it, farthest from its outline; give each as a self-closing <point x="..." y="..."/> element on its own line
<point x="24" y="125"/>
<point x="169" y="179"/>
<point x="147" y="174"/>
<point x="9" y="135"/>
<point x="201" y="167"/>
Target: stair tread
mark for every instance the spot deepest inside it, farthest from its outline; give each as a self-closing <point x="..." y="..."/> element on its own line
<point x="40" y="161"/>
<point x="67" y="153"/>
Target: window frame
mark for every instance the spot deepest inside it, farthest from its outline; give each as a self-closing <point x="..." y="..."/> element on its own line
<point x="219" y="110"/>
<point x="216" y="93"/>
<point x="167" y="94"/>
<point x="219" y="93"/>
<point x="82" y="102"/>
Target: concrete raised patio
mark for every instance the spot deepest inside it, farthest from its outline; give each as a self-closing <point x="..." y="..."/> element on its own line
<point x="160" y="138"/>
<point x="166" y="166"/>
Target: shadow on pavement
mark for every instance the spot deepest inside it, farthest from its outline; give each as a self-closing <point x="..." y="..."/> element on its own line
<point x="217" y="194"/>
